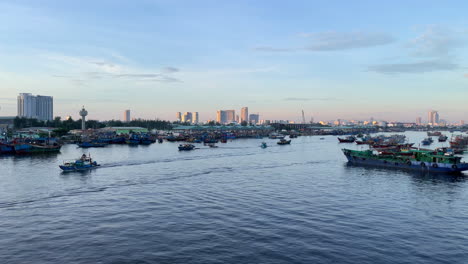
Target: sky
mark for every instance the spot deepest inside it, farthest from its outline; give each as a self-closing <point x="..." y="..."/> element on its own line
<point x="390" y="60"/>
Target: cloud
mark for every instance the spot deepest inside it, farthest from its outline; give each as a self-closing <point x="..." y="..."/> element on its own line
<point x="415" y="67"/>
<point x="89" y="69"/>
<point x="333" y="41"/>
<point x="435" y="41"/>
<point x="309" y="99"/>
<point x="329" y="41"/>
<point x="170" y="69"/>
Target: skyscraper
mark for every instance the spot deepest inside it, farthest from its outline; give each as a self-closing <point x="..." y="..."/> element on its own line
<point x="187" y="117"/>
<point x="254" y="118"/>
<point x="225" y="116"/>
<point x="433" y="117"/>
<point x="127" y="116"/>
<point x="244" y="114"/>
<point x="179" y="116"/>
<point x="195" y="118"/>
<point x="418" y="121"/>
<point x="39" y="107"/>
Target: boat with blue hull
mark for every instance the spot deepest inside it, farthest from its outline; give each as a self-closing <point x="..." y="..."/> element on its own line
<point x="412" y="159"/>
<point x="82" y="164"/>
<point x="186" y="147"/>
<point x="91" y="145"/>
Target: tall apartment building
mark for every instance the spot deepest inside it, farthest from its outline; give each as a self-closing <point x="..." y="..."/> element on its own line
<point x="244" y="114"/>
<point x="126" y="116"/>
<point x="225" y="116"/>
<point x="39" y="107"/>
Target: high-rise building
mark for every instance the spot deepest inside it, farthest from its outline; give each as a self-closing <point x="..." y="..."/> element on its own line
<point x="179" y="116"/>
<point x="254" y="118"/>
<point x="187" y="117"/>
<point x="433" y="117"/>
<point x="244" y="114"/>
<point x="418" y="121"/>
<point x="225" y="116"/>
<point x="127" y="116"/>
<point x="195" y="118"/>
<point x="39" y="107"/>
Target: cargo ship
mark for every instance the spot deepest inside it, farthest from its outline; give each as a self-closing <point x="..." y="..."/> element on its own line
<point x="411" y="159"/>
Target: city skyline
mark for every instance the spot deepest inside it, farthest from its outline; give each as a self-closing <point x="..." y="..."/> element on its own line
<point x="350" y="62"/>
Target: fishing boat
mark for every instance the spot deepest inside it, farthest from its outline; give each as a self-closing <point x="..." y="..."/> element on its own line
<point x="284" y="142"/>
<point x="433" y="134"/>
<point x="36" y="146"/>
<point x="427" y="141"/>
<point x="6" y="148"/>
<point x="443" y="138"/>
<point x="84" y="163"/>
<point x="210" y="140"/>
<point x="413" y="159"/>
<point x="133" y="140"/>
<point x="186" y="147"/>
<point x="91" y="144"/>
<point x="264" y="145"/>
<point x="212" y="145"/>
<point x="349" y="139"/>
<point x="160" y="140"/>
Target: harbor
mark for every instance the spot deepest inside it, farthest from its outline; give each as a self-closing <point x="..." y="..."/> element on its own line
<point x="146" y="194"/>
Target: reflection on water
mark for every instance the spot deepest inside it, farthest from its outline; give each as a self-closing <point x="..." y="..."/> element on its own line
<point x="234" y="204"/>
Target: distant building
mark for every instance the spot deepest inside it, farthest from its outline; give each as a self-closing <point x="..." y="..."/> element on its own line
<point x="462" y="122"/>
<point x="195" y="119"/>
<point x="433" y="117"/>
<point x="244" y="114"/>
<point x="419" y="121"/>
<point x="187" y="117"/>
<point x="179" y="116"/>
<point x="127" y="116"/>
<point x="39" y="107"/>
<point x="226" y="116"/>
<point x="254" y="118"/>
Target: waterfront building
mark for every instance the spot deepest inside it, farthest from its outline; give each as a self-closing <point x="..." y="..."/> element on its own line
<point x="226" y="116"/>
<point x="127" y="116"/>
<point x="254" y="118"/>
<point x="39" y="107"/>
<point x="244" y="114"/>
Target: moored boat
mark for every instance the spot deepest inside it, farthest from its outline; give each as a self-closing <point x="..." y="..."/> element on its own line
<point x="91" y="144"/>
<point x="443" y="138"/>
<point x="413" y="159"/>
<point x="349" y="139"/>
<point x="264" y="145"/>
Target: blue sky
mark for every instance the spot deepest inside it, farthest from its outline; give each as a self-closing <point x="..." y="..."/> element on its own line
<point x="334" y="59"/>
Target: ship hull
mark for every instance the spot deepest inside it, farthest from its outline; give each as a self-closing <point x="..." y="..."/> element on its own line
<point x="409" y="165"/>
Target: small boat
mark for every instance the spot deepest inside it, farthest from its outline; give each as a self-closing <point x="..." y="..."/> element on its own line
<point x="434" y="134"/>
<point x="443" y="138"/>
<point x="223" y="140"/>
<point x="322" y="138"/>
<point x="212" y="145"/>
<point x="186" y="147"/>
<point x="264" y="145"/>
<point x="293" y="136"/>
<point x="84" y="163"/>
<point x="160" y="140"/>
<point x="284" y="142"/>
<point x="349" y="139"/>
<point x="91" y="144"/>
<point x="427" y="141"/>
<point x="210" y="140"/>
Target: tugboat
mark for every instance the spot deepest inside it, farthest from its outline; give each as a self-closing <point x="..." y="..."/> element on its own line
<point x="413" y="159"/>
<point x="81" y="164"/>
<point x="264" y="145"/>
<point x="349" y="139"/>
<point x="186" y="147"/>
<point x="284" y="142"/>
